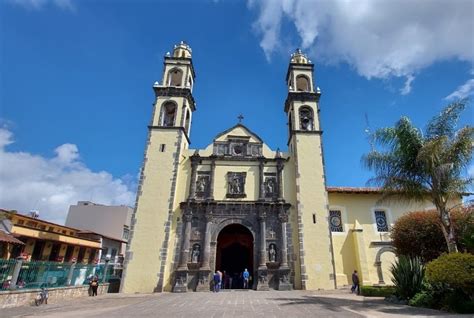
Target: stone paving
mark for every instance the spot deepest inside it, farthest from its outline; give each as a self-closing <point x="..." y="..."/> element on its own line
<point x="224" y="304"/>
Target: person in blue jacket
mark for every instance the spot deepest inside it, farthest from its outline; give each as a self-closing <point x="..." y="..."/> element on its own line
<point x="246" y="276"/>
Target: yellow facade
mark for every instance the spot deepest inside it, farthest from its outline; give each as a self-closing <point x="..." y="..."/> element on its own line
<point x="188" y="197"/>
<point x="35" y="232"/>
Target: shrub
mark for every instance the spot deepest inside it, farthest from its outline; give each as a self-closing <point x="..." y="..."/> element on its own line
<point x="408" y="274"/>
<point x="377" y="291"/>
<point x="422" y="299"/>
<point x="418" y="234"/>
<point x="455" y="270"/>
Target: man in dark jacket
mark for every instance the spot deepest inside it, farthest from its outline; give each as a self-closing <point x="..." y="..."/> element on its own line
<point x="355" y="283"/>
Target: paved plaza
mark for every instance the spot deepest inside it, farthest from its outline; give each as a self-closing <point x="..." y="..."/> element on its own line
<point x="224" y="304"/>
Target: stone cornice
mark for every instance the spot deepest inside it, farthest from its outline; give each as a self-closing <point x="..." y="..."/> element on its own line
<point x="301" y="97"/>
<point x="171" y="91"/>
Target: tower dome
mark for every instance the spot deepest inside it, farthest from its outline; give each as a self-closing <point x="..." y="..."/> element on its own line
<point x="299" y="57"/>
<point x="182" y="50"/>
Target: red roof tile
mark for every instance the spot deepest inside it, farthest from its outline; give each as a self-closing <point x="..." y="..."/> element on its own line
<point x="8" y="238"/>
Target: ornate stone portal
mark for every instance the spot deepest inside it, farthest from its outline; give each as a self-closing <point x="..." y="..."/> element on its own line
<point x="197" y="254"/>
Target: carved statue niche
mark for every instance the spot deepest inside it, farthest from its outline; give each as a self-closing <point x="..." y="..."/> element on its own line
<point x="195" y="254"/>
<point x="270" y="185"/>
<point x="202" y="186"/>
<point x="236" y="184"/>
<point x="272" y="257"/>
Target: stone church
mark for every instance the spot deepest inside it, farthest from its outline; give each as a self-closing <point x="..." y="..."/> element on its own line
<point x="237" y="204"/>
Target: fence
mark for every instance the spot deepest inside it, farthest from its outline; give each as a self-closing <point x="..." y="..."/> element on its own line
<point x="36" y="274"/>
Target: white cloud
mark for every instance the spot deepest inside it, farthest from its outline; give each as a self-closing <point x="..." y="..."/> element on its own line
<point x="463" y="91"/>
<point x="406" y="89"/>
<point x="39" y="4"/>
<point x="379" y="39"/>
<point x="50" y="185"/>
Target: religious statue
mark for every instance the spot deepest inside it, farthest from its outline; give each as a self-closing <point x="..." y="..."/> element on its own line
<point x="195" y="253"/>
<point x="235" y="184"/>
<point x="270" y="186"/>
<point x="272" y="253"/>
<point x="201" y="184"/>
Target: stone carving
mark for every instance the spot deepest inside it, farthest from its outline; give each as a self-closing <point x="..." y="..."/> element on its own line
<point x="196" y="252"/>
<point x="237" y="148"/>
<point x="196" y="235"/>
<point x="270" y="186"/>
<point x="202" y="186"/>
<point x="235" y="184"/>
<point x="284" y="278"/>
<point x="272" y="253"/>
<point x="271" y="233"/>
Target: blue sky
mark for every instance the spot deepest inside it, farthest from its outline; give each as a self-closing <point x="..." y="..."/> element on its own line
<point x="76" y="78"/>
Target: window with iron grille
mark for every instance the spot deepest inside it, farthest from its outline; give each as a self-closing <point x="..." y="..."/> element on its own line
<point x="335" y="220"/>
<point x="381" y="221"/>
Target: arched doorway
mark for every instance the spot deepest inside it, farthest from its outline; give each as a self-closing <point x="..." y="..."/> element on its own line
<point x="234" y="253"/>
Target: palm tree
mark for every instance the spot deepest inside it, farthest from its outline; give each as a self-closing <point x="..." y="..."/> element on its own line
<point x="417" y="166"/>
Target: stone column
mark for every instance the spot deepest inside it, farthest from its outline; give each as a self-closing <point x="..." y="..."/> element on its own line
<point x="261" y="187"/>
<point x="284" y="270"/>
<point x="192" y="185"/>
<point x="205" y="270"/>
<point x="207" y="242"/>
<point x="210" y="195"/>
<point x="279" y="178"/>
<point x="262" y="267"/>
<point x="263" y="242"/>
<point x="187" y="217"/>
<point x="283" y="216"/>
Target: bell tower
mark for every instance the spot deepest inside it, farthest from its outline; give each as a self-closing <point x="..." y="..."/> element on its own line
<point x="148" y="260"/>
<point x="314" y="264"/>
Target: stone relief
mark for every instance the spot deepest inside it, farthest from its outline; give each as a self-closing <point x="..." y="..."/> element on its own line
<point x="236" y="184"/>
<point x="270" y="185"/>
<point x="202" y="186"/>
<point x="237" y="148"/>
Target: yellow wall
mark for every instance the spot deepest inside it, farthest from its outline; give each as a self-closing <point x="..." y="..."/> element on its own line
<point x="37" y="234"/>
<point x="144" y="260"/>
<point x="357" y="211"/>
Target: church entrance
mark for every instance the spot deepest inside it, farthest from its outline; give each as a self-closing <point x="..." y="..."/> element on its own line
<point x="234" y="253"/>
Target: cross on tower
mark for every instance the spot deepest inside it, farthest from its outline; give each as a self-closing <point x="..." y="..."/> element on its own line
<point x="240" y="117"/>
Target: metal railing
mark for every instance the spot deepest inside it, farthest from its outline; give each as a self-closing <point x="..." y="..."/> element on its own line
<point x="19" y="274"/>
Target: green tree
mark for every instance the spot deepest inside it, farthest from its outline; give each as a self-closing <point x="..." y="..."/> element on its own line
<point x="416" y="166"/>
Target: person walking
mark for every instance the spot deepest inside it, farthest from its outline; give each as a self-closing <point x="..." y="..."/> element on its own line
<point x="94" y="284"/>
<point x="246" y="276"/>
<point x="217" y="281"/>
<point x="355" y="283"/>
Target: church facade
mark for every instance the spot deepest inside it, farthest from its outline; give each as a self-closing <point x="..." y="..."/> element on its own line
<point x="237" y="204"/>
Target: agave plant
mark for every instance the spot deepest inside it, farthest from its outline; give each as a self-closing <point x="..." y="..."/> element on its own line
<point x="408" y="274"/>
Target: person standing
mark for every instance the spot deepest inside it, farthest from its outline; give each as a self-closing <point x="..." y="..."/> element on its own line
<point x="355" y="283"/>
<point x="217" y="281"/>
<point x="246" y="276"/>
<point x="94" y="285"/>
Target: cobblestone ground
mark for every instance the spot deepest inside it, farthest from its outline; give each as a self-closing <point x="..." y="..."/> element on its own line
<point x="224" y="304"/>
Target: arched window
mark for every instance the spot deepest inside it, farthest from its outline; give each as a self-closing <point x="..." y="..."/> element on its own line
<point x="186" y="124"/>
<point x="168" y="114"/>
<point x="306" y="118"/>
<point x="175" y="77"/>
<point x="302" y="83"/>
